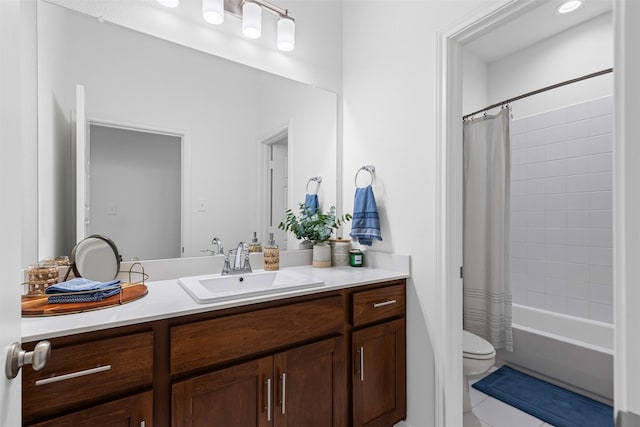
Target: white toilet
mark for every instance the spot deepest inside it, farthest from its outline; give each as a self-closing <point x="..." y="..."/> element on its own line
<point x="478" y="356"/>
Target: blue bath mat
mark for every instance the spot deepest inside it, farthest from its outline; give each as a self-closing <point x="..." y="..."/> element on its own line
<point x="550" y="403"/>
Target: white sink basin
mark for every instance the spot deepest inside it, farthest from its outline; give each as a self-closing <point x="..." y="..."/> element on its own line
<point x="216" y="287"/>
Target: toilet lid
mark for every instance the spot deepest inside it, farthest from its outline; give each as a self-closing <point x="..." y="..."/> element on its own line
<point x="476" y="347"/>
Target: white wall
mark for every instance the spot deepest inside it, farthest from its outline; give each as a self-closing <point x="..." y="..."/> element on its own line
<point x="389" y="121"/>
<point x="561" y="210"/>
<point x="581" y="50"/>
<point x="475" y="80"/>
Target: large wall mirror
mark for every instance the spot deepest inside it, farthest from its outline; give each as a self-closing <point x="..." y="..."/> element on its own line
<point x="170" y="131"/>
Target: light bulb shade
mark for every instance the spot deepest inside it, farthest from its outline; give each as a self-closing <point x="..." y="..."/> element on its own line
<point x="213" y="11"/>
<point x="286" y="34"/>
<point x="251" y="20"/>
<point x="169" y="3"/>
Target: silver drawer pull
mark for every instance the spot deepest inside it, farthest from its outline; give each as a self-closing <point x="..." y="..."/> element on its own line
<point x="382" y="304"/>
<point x="267" y="384"/>
<point x="73" y="375"/>
<point x="284" y="392"/>
<point x="362" y="364"/>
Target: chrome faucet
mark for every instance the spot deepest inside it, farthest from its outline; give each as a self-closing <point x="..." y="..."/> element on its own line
<point x="240" y="264"/>
<point x="218" y="243"/>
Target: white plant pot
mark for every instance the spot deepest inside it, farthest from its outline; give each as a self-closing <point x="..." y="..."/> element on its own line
<point x="321" y="255"/>
<point x="305" y="244"/>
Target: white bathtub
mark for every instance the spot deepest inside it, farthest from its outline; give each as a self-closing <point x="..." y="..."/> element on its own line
<point x="570" y="350"/>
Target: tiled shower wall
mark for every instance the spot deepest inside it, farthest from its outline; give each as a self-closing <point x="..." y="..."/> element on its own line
<point x="562" y="210"/>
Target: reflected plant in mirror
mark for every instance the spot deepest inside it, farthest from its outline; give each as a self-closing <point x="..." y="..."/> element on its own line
<point x="313" y="226"/>
<point x="218" y="120"/>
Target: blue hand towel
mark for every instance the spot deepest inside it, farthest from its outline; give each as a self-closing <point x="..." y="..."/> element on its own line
<point x="365" y="225"/>
<point x="82" y="290"/>
<point x="311" y="202"/>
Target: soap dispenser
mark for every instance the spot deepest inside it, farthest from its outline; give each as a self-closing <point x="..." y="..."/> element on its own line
<point x="271" y="255"/>
<point x="255" y="245"/>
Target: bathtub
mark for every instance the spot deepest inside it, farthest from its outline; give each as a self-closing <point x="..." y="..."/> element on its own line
<point x="570" y="351"/>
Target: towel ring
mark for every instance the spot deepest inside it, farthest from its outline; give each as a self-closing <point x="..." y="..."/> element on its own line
<point x="369" y="168"/>
<point x="317" y="180"/>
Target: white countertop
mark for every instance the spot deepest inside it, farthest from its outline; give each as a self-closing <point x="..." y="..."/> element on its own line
<point x="166" y="299"/>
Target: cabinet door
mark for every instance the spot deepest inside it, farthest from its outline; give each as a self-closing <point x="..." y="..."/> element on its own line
<point x="234" y="397"/>
<point x="134" y="411"/>
<point x="310" y="386"/>
<point x="379" y="374"/>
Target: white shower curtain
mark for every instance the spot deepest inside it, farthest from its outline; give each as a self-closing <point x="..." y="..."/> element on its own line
<point x="486" y="242"/>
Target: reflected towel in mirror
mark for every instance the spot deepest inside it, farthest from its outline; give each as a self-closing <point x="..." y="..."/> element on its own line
<point x="311" y="202"/>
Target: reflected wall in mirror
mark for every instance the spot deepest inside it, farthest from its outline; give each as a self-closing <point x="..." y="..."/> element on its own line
<point x="227" y="115"/>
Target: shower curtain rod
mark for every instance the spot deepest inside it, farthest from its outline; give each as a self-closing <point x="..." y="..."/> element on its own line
<point x="544" y="89"/>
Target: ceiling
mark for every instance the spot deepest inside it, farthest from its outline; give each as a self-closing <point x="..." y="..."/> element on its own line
<point x="537" y="24"/>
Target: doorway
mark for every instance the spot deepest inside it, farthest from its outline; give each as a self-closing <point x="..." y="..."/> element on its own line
<point x="135" y="190"/>
<point x="276" y="185"/>
<point x="451" y="110"/>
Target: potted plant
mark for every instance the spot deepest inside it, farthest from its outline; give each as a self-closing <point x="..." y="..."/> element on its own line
<point x="315" y="227"/>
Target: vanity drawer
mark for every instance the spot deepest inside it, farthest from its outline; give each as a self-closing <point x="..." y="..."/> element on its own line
<point x="378" y="304"/>
<point x="210" y="342"/>
<point x="87" y="373"/>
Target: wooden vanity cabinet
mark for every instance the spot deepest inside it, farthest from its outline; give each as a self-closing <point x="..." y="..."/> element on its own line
<point x="379" y="356"/>
<point x="94" y="376"/>
<point x="332" y="359"/>
<point x="299" y="387"/>
<point x="133" y="411"/>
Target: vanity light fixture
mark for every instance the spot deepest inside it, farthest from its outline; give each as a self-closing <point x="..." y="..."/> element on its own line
<point x="251" y="20"/>
<point x="250" y="11"/>
<point x="569" y="6"/>
<point x="169" y="3"/>
<point x="286" y="33"/>
<point x="213" y="11"/>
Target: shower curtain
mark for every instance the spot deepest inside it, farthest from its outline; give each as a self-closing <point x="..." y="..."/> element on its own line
<point x="486" y="219"/>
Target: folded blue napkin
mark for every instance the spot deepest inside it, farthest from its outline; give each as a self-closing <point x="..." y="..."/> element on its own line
<point x="311" y="202"/>
<point x="82" y="290"/>
<point x="365" y="225"/>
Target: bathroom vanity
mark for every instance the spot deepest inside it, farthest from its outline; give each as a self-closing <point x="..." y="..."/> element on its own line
<point x="333" y="356"/>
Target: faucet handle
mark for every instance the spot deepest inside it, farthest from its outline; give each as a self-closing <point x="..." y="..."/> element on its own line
<point x="226" y="268"/>
<point x="247" y="264"/>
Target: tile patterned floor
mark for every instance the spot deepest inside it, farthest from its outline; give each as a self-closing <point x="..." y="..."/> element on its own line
<point x="492" y="412"/>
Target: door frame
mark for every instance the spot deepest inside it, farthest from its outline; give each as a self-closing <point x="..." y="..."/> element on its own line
<point x="264" y="146"/>
<point x="18" y="113"/>
<point x="185" y="150"/>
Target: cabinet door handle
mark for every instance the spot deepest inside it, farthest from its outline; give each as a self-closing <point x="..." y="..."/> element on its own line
<point x="268" y="408"/>
<point x="142" y="424"/>
<point x="284" y="392"/>
<point x="382" y="304"/>
<point x="362" y="364"/>
<point x="73" y="375"/>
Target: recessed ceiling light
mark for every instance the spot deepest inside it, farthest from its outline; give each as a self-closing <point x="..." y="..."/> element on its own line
<point x="569" y="6"/>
